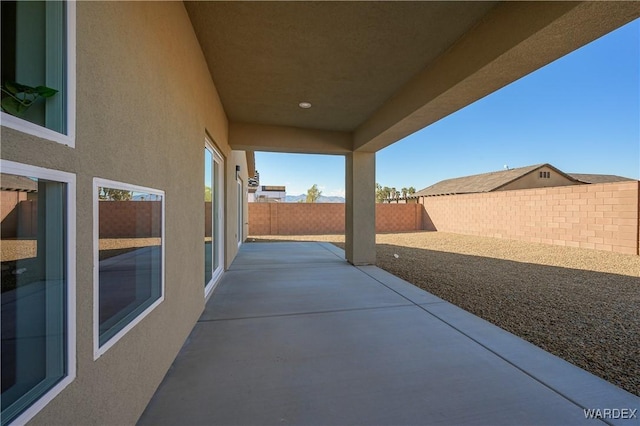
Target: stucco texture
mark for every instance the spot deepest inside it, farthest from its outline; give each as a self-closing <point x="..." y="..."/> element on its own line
<point x="145" y="101"/>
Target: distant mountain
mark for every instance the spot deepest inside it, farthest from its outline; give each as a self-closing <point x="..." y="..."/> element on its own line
<point x="295" y="198"/>
<point x="322" y="199"/>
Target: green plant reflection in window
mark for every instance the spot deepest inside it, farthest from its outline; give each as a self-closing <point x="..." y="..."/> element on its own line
<point x="19" y="97"/>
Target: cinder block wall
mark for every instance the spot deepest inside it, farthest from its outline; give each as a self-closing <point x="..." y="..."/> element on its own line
<point x="398" y="217"/>
<point x="130" y="219"/>
<point x="596" y="216"/>
<point x="309" y="218"/>
<point x="17" y="215"/>
<point x="259" y="218"/>
<point x="326" y="218"/>
<point x="123" y="219"/>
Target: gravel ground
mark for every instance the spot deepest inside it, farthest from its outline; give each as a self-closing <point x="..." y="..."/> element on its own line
<point x="581" y="305"/>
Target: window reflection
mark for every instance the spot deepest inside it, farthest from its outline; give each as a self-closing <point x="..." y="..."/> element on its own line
<point x="130" y="256"/>
<point x="208" y="219"/>
<point x="34" y="287"/>
<point x="212" y="217"/>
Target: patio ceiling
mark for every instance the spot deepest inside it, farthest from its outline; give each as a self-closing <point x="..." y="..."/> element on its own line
<point x="376" y="72"/>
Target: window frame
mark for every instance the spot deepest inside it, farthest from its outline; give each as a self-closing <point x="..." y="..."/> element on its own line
<point x="27" y="127"/>
<point x="99" y="350"/>
<point x="217" y="227"/>
<point x="69" y="179"/>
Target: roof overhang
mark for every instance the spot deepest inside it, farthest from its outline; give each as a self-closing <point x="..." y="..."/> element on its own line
<point x="376" y="72"/>
<point x="251" y="163"/>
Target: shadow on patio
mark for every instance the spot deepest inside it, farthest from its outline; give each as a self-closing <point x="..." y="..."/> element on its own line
<point x="295" y="335"/>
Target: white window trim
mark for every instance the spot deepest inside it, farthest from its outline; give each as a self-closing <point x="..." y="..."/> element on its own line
<point x="217" y="273"/>
<point x="240" y="213"/>
<point x="99" y="182"/>
<point x="24" y="126"/>
<point x="70" y="180"/>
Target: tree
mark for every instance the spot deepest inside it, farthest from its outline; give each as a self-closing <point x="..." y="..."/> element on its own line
<point x="382" y="193"/>
<point x="111" y="194"/>
<point x="313" y="194"/>
<point x="208" y="193"/>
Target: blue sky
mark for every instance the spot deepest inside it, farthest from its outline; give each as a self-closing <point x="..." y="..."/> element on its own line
<point x="580" y="113"/>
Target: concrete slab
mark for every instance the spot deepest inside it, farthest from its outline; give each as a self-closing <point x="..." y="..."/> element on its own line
<point x="403" y="288"/>
<point x="333" y="249"/>
<point x="335" y="344"/>
<point x="257" y="292"/>
<point x="380" y="366"/>
<point x="278" y="255"/>
<point x="574" y="383"/>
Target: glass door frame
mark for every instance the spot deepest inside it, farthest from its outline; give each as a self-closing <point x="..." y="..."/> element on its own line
<point x="217" y="216"/>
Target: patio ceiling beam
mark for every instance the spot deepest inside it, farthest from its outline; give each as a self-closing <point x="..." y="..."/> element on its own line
<point x="258" y="137"/>
<point x="513" y="40"/>
<point x="251" y="163"/>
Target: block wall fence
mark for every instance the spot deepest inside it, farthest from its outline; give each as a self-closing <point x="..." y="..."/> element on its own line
<point x="326" y="218"/>
<point x="17" y="217"/>
<point x="122" y="219"/>
<point x="130" y="219"/>
<point x="597" y="216"/>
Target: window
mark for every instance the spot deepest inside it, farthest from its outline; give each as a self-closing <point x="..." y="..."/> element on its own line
<point x="37" y="207"/>
<point x="544" y="175"/>
<point x="38" y="68"/>
<point x="213" y="217"/>
<point x="128" y="258"/>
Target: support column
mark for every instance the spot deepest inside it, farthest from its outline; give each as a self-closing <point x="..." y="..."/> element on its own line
<point x="360" y="226"/>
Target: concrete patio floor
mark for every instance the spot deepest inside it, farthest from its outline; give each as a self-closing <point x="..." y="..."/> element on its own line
<point x="293" y="334"/>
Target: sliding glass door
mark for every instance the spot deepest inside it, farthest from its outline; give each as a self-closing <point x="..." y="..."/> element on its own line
<point x="213" y="217"/>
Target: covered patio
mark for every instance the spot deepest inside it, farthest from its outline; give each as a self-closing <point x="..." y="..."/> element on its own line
<point x="294" y="334"/>
<point x="168" y="101"/>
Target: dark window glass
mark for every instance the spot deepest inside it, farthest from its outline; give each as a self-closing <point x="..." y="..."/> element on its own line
<point x="130" y="256"/>
<point x="34" y="61"/>
<point x="34" y="290"/>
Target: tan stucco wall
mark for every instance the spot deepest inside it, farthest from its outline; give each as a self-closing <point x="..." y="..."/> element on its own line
<point x="360" y="210"/>
<point x="236" y="158"/>
<point x="249" y="137"/>
<point x="533" y="180"/>
<point x="145" y="101"/>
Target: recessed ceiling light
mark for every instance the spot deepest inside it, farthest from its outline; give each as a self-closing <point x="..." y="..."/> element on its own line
<point x="305" y="105"/>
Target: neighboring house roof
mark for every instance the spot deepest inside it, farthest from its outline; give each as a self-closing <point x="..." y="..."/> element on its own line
<point x="17" y="183"/>
<point x="485" y="182"/>
<point x="591" y="178"/>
